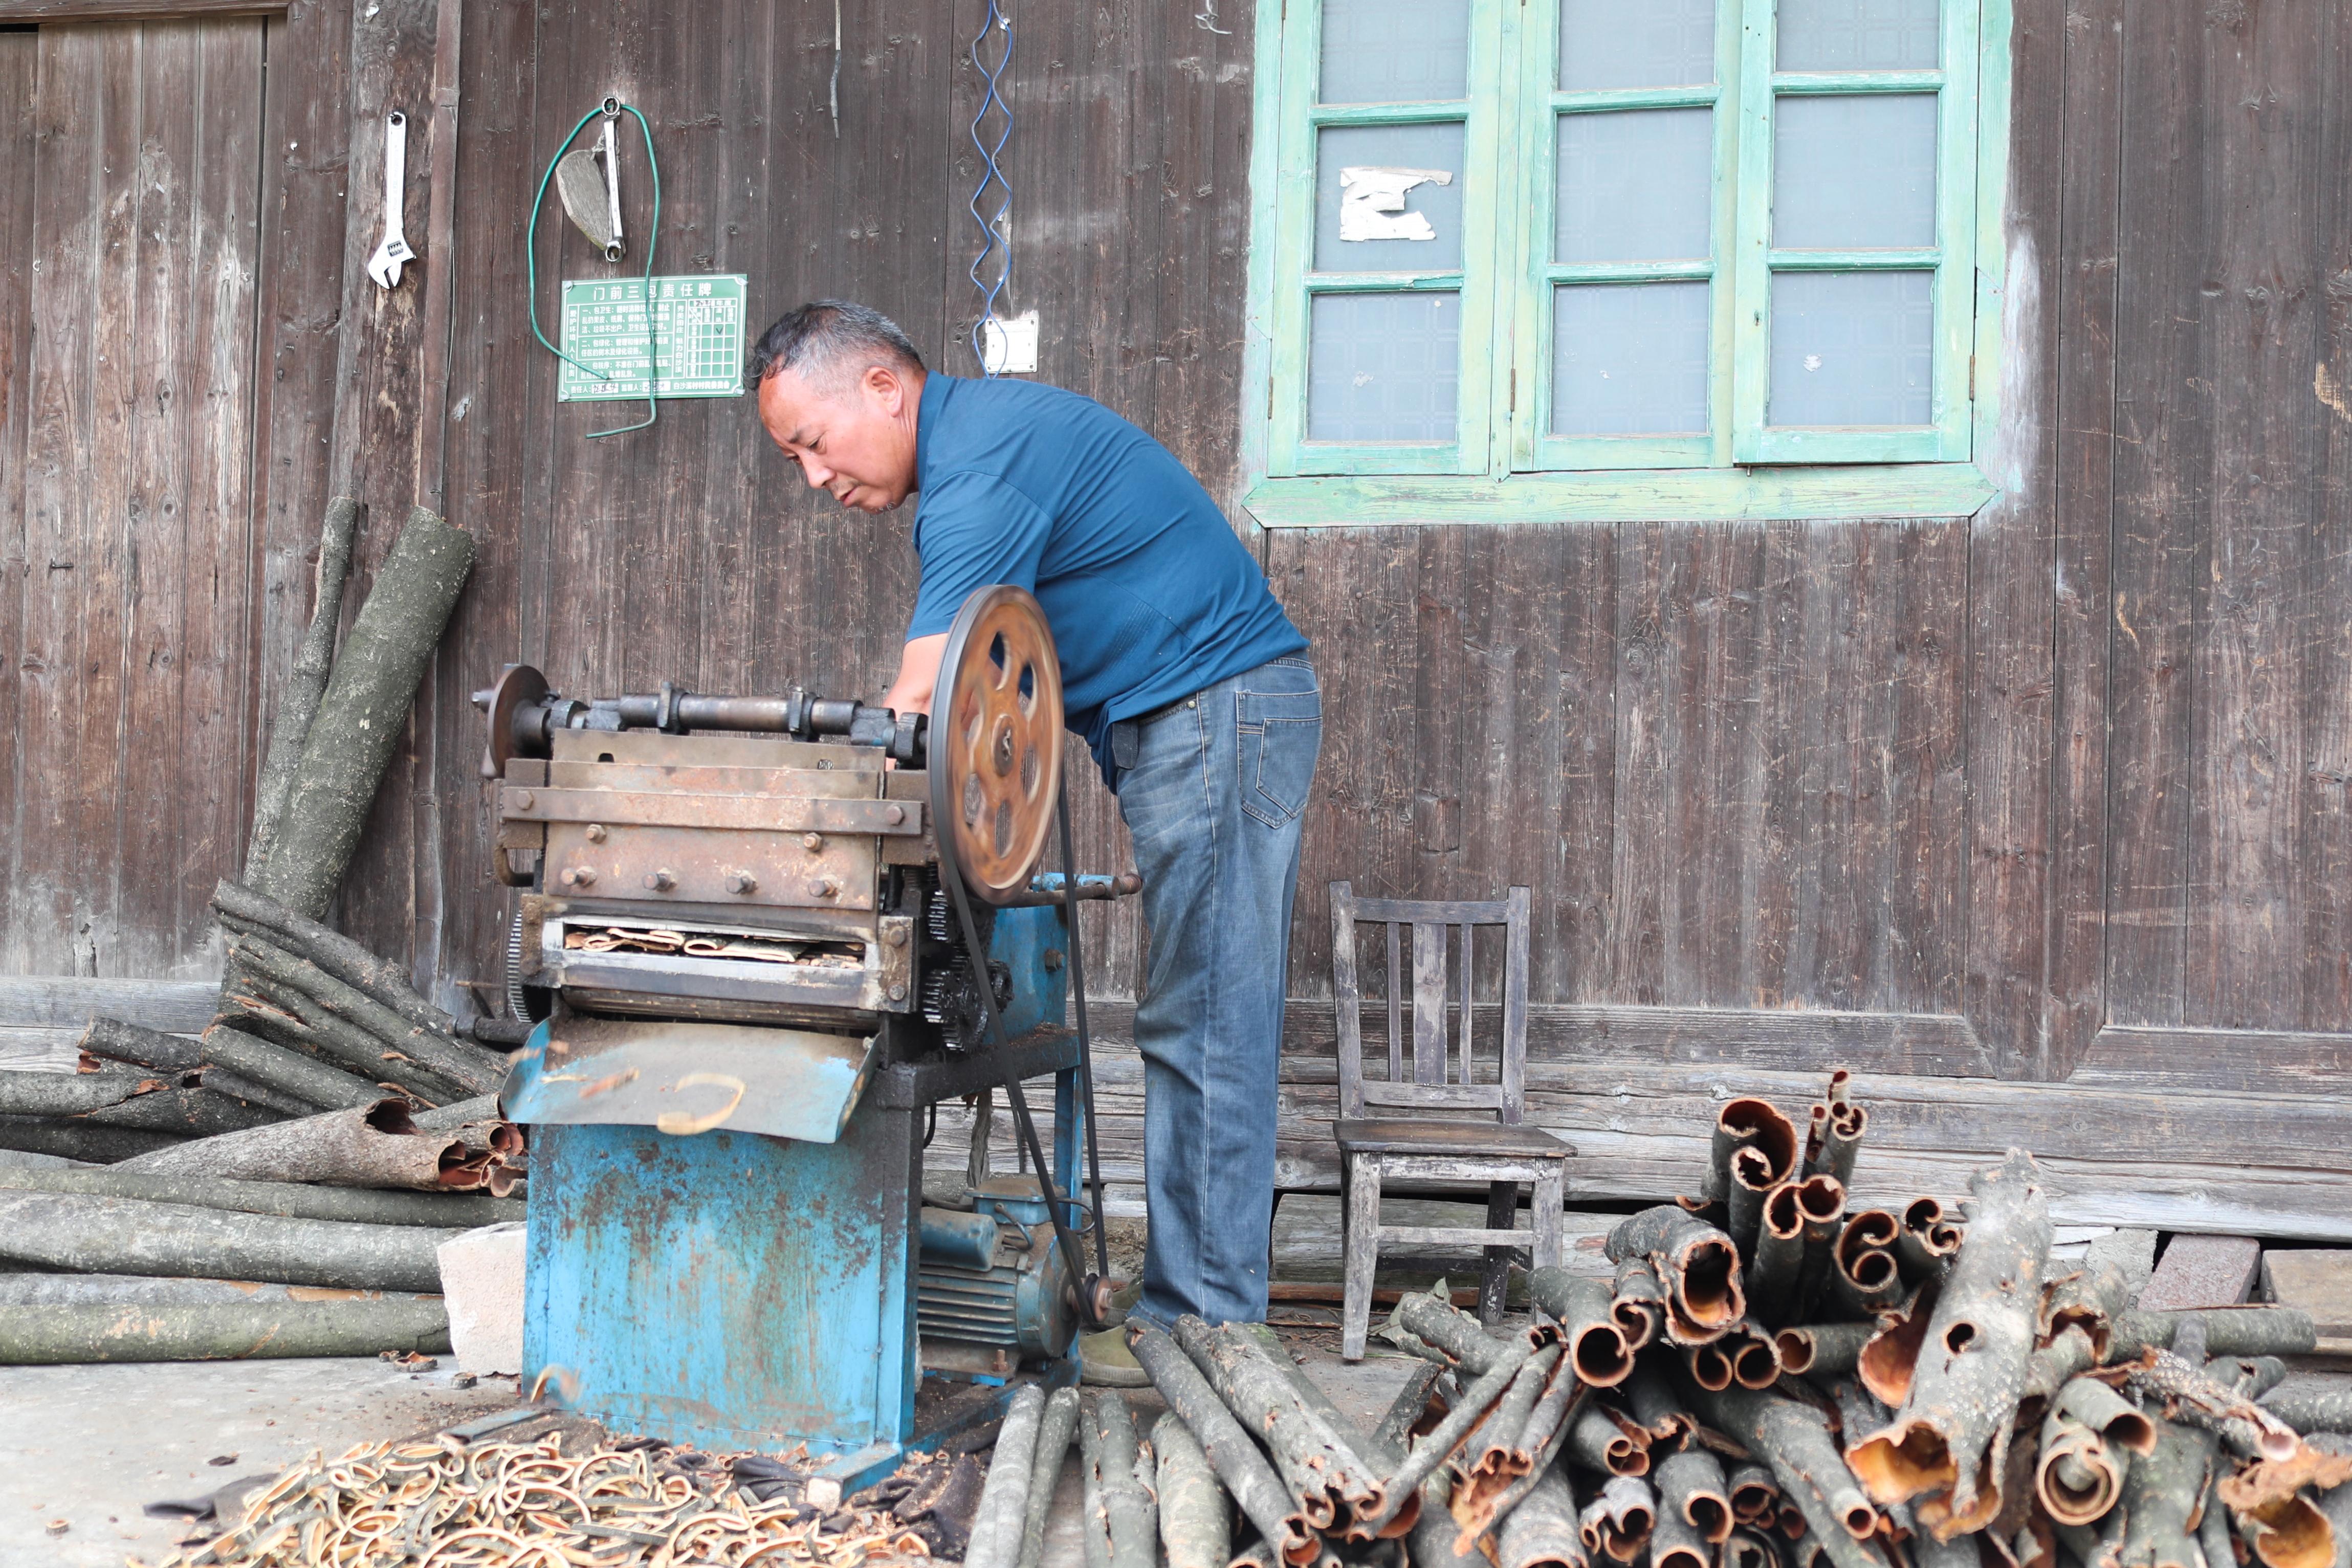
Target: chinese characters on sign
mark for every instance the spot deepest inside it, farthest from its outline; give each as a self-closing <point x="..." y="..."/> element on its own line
<point x="697" y="338"/>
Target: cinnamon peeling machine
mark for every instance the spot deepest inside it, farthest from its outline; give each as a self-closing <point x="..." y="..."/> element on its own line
<point x="763" y="939"/>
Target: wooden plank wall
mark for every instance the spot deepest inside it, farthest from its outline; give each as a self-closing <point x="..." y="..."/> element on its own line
<point x="135" y="200"/>
<point x="195" y="364"/>
<point x="2228" y="834"/>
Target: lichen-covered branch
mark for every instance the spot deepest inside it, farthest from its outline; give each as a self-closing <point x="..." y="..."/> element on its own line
<point x="1948" y="1443"/>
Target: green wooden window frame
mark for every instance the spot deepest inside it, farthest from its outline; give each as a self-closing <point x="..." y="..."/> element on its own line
<point x="1300" y="122"/>
<point x="1505" y="463"/>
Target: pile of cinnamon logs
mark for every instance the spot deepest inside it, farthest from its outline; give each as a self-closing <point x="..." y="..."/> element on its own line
<point x="309" y="1021"/>
<point x="1774" y="1376"/>
<point x="250" y="1192"/>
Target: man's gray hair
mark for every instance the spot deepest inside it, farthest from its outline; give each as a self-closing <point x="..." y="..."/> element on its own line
<point x="830" y="342"/>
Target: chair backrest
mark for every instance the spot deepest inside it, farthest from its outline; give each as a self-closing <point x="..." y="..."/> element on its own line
<point x="1440" y="1078"/>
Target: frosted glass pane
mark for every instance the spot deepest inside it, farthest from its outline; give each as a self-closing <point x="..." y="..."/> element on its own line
<point x="1657" y="43"/>
<point x="1395" y="51"/>
<point x="1853" y="348"/>
<point x="1854" y="172"/>
<point x="1859" y="35"/>
<point x="1384" y="367"/>
<point x="1635" y="186"/>
<point x="1629" y="358"/>
<point x="1388" y="198"/>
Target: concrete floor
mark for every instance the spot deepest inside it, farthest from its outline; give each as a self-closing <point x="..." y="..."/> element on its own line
<point x="89" y="1445"/>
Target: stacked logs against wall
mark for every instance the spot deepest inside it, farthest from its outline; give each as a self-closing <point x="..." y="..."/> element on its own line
<point x="295" y="1144"/>
<point x="299" y="1172"/>
<point x="1774" y="1377"/>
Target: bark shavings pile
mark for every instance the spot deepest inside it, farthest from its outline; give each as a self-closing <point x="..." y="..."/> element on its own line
<point x="452" y="1504"/>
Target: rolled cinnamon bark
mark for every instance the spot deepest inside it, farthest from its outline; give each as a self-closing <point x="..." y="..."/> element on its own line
<point x="1128" y="1504"/>
<point x="1691" y="1484"/>
<point x="242" y="909"/>
<point x="291" y="1201"/>
<point x="1948" y="1443"/>
<point x="1639" y="1304"/>
<point x="2229" y="1331"/>
<point x="373" y="1146"/>
<point x="306" y="683"/>
<point x="1776" y="1266"/>
<point x="1755" y="1495"/>
<point x="1826" y="1350"/>
<point x="1604" y="1439"/>
<point x="1928" y="1240"/>
<point x="1755" y="1356"/>
<point x="1265" y="1502"/>
<point x="2162" y="1497"/>
<point x="2309" y="1410"/>
<point x="1004" y="1497"/>
<point x="1617" y="1523"/>
<point x="115" y="1041"/>
<point x="219" y="1330"/>
<point x="1584" y="1308"/>
<point x="362" y="713"/>
<point x="1695" y="1263"/>
<point x="89" y="1234"/>
<point x="1329" y="1480"/>
<point x="1794" y="1440"/>
<point x="1055" y="1427"/>
<point x="1193" y="1513"/>
<point x="1540" y="1533"/>
<point x="322" y="1087"/>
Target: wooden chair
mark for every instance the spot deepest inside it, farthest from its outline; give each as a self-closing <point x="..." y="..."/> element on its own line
<point x="1431" y="1131"/>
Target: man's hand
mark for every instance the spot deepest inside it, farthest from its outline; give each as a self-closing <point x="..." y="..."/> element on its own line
<point x="919" y="672"/>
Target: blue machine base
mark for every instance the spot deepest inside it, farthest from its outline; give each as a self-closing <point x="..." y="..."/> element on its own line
<point x="728" y="1290"/>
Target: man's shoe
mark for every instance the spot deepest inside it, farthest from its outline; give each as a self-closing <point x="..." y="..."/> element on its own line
<point x="1105" y="1361"/>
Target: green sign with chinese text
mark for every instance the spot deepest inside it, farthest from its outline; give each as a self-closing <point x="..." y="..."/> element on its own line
<point x="697" y="338"/>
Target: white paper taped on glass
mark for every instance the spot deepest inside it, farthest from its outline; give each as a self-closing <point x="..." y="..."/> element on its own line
<point x="1372" y="203"/>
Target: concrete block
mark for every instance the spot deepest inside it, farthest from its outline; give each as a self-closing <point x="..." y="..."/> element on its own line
<point x="2202" y="1271"/>
<point x="2318" y="1281"/>
<point x="481" y="1278"/>
<point x="2133" y="1252"/>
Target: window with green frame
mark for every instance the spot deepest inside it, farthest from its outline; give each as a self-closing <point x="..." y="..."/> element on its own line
<point x="1619" y="248"/>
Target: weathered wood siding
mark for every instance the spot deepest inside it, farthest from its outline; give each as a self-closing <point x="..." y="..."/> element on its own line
<point x="2053" y="794"/>
<point x="131" y="207"/>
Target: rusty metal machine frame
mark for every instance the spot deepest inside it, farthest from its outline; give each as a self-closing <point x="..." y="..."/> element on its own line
<point x="765" y="936"/>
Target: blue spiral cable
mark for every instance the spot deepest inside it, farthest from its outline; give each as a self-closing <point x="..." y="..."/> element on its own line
<point x="992" y="246"/>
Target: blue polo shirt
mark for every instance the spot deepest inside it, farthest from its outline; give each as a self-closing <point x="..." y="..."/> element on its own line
<point x="1149" y="593"/>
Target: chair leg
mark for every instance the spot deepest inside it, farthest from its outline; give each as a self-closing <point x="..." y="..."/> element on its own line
<point x="1495" y="1277"/>
<point x="1363" y="1253"/>
<point x="1273" y="1213"/>
<point x="1551" y="1197"/>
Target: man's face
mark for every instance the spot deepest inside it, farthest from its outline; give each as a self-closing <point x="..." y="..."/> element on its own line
<point x="856" y="441"/>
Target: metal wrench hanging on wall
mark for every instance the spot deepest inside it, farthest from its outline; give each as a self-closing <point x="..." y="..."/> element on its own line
<point x="384" y="265"/>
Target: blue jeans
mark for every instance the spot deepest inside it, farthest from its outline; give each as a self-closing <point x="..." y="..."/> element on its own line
<point x="1212" y="789"/>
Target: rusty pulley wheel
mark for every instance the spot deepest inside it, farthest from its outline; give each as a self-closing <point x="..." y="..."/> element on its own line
<point x="519" y="686"/>
<point x="996" y="742"/>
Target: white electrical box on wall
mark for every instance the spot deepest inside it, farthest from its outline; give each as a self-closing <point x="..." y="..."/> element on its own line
<point x="1010" y="347"/>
